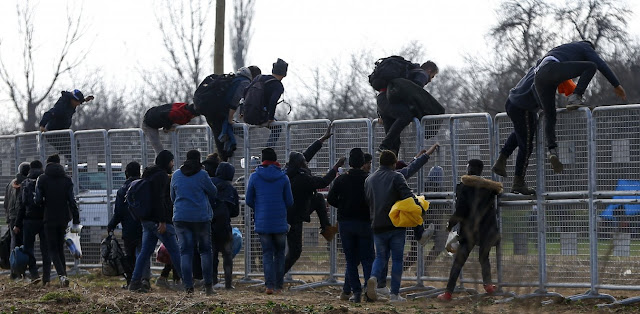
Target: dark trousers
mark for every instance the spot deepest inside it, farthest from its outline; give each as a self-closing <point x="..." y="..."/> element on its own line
<point x="131" y="249"/>
<point x="55" y="244"/>
<point x="215" y="122"/>
<point x="395" y="118"/>
<point x="525" y="124"/>
<point x="31" y="228"/>
<point x="167" y="269"/>
<point x="222" y="244"/>
<point x="461" y="257"/>
<point x="294" y="236"/>
<point x="546" y="81"/>
<point x="357" y="245"/>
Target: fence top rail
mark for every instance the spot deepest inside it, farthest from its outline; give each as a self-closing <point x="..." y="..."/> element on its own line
<point x="7" y="137"/>
<point x="192" y="126"/>
<point x="81" y="132"/>
<point x="56" y="132"/>
<point x="456" y="116"/>
<point x="356" y="120"/>
<point x="313" y="121"/>
<point x="25" y="134"/>
<point x="437" y="117"/>
<point x="616" y="108"/>
<point x="112" y="131"/>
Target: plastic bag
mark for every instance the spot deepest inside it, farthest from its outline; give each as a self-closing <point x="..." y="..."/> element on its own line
<point x="237" y="242"/>
<point x="162" y="255"/>
<point x="452" y="242"/>
<point x="73" y="243"/>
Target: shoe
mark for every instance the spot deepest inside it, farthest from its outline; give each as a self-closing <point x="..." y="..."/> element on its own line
<point x="446" y="296"/>
<point x="229" y="287"/>
<point x="329" y="232"/>
<point x="355" y="298"/>
<point x="208" y="290"/>
<point x="383" y="291"/>
<point x="135" y="286"/>
<point x="555" y="161"/>
<point x="162" y="282"/>
<point x="500" y="167"/>
<point x="188" y="290"/>
<point x="520" y="186"/>
<point x="490" y="289"/>
<point x="269" y="291"/>
<point x="427" y="234"/>
<point x="575" y="101"/>
<point x="146" y="285"/>
<point x="396" y="298"/>
<point x="345" y="296"/>
<point x="64" y="281"/>
<point x="371" y="294"/>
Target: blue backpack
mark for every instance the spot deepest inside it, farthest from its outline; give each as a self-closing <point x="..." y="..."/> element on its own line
<point x="138" y="199"/>
<point x="19" y="260"/>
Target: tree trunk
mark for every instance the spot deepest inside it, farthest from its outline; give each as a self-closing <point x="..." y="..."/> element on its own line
<point x="31" y="119"/>
<point x="218" y="47"/>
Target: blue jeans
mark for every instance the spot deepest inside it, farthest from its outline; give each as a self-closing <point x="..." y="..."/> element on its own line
<point x="150" y="237"/>
<point x="190" y="233"/>
<point x="29" y="230"/>
<point x="273" y="245"/>
<point x="357" y="245"/>
<point x="389" y="243"/>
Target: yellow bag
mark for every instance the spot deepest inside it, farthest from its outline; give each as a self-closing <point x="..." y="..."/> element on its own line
<point x="406" y="213"/>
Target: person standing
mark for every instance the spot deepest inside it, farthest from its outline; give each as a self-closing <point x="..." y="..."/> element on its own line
<point x="12" y="206"/>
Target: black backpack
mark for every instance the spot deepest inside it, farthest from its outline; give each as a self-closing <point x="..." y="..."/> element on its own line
<point x="213" y="92"/>
<point x="138" y="199"/>
<point x="389" y="68"/>
<point x="254" y="106"/>
<point x="114" y="262"/>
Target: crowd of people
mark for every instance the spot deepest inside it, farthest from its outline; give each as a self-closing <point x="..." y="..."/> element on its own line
<point x="190" y="209"/>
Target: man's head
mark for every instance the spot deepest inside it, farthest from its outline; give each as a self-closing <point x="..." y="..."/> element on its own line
<point x="77" y="98"/>
<point x="164" y="160"/>
<point x="388" y="159"/>
<point x="431" y="68"/>
<point x="244" y="71"/>
<point x="356" y="158"/>
<point x="474" y="167"/>
<point x="55" y="158"/>
<point x="132" y="170"/>
<point x="255" y="71"/>
<point x="194" y="155"/>
<point x="367" y="162"/>
<point x="24" y="168"/>
<point x="268" y="154"/>
<point x="297" y="160"/>
<point x="211" y="164"/>
<point x="279" y="70"/>
<point x="36" y="164"/>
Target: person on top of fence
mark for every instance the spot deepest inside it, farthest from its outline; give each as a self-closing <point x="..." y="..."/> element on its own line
<point x="165" y="117"/>
<point x="157" y="223"/>
<point x="29" y="223"/>
<point x="12" y="205"/>
<point x="269" y="195"/>
<point x="131" y="227"/>
<point x="402" y="97"/>
<point x="476" y="214"/>
<point x="192" y="193"/>
<point x="227" y="206"/>
<point x="383" y="189"/>
<point x="261" y="99"/>
<point x="306" y="199"/>
<point x="217" y="99"/>
<point x="54" y="191"/>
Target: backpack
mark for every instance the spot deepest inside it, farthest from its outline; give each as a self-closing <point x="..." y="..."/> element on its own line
<point x="19" y="260"/>
<point x="5" y="250"/>
<point x="389" y="68"/>
<point x="254" y="107"/>
<point x="114" y="262"/>
<point x="212" y="92"/>
<point x="138" y="199"/>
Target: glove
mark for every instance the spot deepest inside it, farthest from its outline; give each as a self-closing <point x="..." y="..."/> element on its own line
<point x="75" y="228"/>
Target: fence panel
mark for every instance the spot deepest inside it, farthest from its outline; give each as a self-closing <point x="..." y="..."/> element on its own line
<point x="437" y="129"/>
<point x="28" y="147"/>
<point x="167" y="139"/>
<point x="8" y="167"/>
<point x="241" y="160"/>
<point x="191" y="137"/>
<point x="411" y="145"/>
<point x="503" y="128"/>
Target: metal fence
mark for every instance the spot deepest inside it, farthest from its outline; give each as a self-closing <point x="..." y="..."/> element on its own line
<point x="581" y="230"/>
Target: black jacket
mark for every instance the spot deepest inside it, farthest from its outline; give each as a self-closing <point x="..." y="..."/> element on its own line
<point x="54" y="191"/>
<point x="227" y="202"/>
<point x="131" y="227"/>
<point x="59" y="117"/>
<point x="347" y="195"/>
<point x="28" y="209"/>
<point x="582" y="51"/>
<point x="304" y="185"/>
<point x="161" y="205"/>
<point x="476" y="211"/>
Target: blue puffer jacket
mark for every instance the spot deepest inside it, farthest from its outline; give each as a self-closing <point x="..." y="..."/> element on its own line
<point x="269" y="194"/>
<point x="191" y="192"/>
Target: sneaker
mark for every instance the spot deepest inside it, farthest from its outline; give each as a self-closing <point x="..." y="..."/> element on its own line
<point x="556" y="164"/>
<point x="383" y="291"/>
<point x="446" y="296"/>
<point x="135" y="286"/>
<point x="575" y="101"/>
<point x="146" y="285"/>
<point x="345" y="296"/>
<point x="329" y="232"/>
<point x="162" y="282"/>
<point x="269" y="291"/>
<point x="396" y="298"/>
<point x="64" y="281"/>
<point x="427" y="234"/>
<point x="371" y="294"/>
<point x="355" y="298"/>
<point x="208" y="290"/>
<point x="490" y="289"/>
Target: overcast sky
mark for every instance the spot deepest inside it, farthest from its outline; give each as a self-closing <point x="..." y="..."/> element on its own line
<point x="124" y="37"/>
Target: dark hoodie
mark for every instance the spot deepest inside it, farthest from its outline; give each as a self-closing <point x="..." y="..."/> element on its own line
<point x="59" y="117"/>
<point x="227" y="202"/>
<point x="54" y="191"/>
<point x="12" y="197"/>
<point x="28" y="209"/>
<point x="269" y="194"/>
<point x="131" y="227"/>
<point x="161" y="206"/>
<point x="347" y="195"/>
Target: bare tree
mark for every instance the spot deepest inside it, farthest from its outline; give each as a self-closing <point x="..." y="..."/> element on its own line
<point x="26" y="94"/>
<point x="240" y="31"/>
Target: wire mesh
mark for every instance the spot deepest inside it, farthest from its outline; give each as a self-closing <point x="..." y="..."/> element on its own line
<point x="93" y="184"/>
<point x="408" y="149"/>
<point x="241" y="160"/>
<point x="8" y="165"/>
<point x="504" y="127"/>
<point x="437" y="129"/>
<point x="59" y="142"/>
<point x="28" y="148"/>
<point x="167" y="141"/>
<point x="191" y="137"/>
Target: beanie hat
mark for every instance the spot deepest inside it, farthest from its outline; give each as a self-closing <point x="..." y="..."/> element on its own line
<point x="296" y="160"/>
<point x="23" y="168"/>
<point x="55" y="158"/>
<point x="280" y="67"/>
<point x="244" y="71"/>
<point x="163" y="159"/>
<point x="356" y="158"/>
<point x="211" y="164"/>
<point x="193" y="154"/>
<point x="36" y="164"/>
<point x="268" y="154"/>
<point x="255" y="71"/>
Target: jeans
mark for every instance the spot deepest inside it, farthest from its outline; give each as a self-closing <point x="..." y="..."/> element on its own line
<point x="394" y="119"/>
<point x="29" y="230"/>
<point x="525" y="124"/>
<point x="190" y="234"/>
<point x="131" y="250"/>
<point x="389" y="243"/>
<point x="546" y="81"/>
<point x="150" y="237"/>
<point x="357" y="245"/>
<point x="153" y="135"/>
<point x="222" y="245"/>
<point x="273" y="245"/>
<point x="55" y="244"/>
<point x="461" y="257"/>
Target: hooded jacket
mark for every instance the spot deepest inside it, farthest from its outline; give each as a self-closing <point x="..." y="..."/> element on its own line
<point x="227" y="202"/>
<point x="524" y="95"/>
<point x="12" y="196"/>
<point x="191" y="192"/>
<point x="54" y="191"/>
<point x="382" y="189"/>
<point x="165" y="116"/>
<point x="131" y="227"/>
<point x="59" y="117"/>
<point x="161" y="206"/>
<point x="582" y="51"/>
<point x="269" y="194"/>
<point x="347" y="195"/>
<point x="475" y="210"/>
<point x="28" y="209"/>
